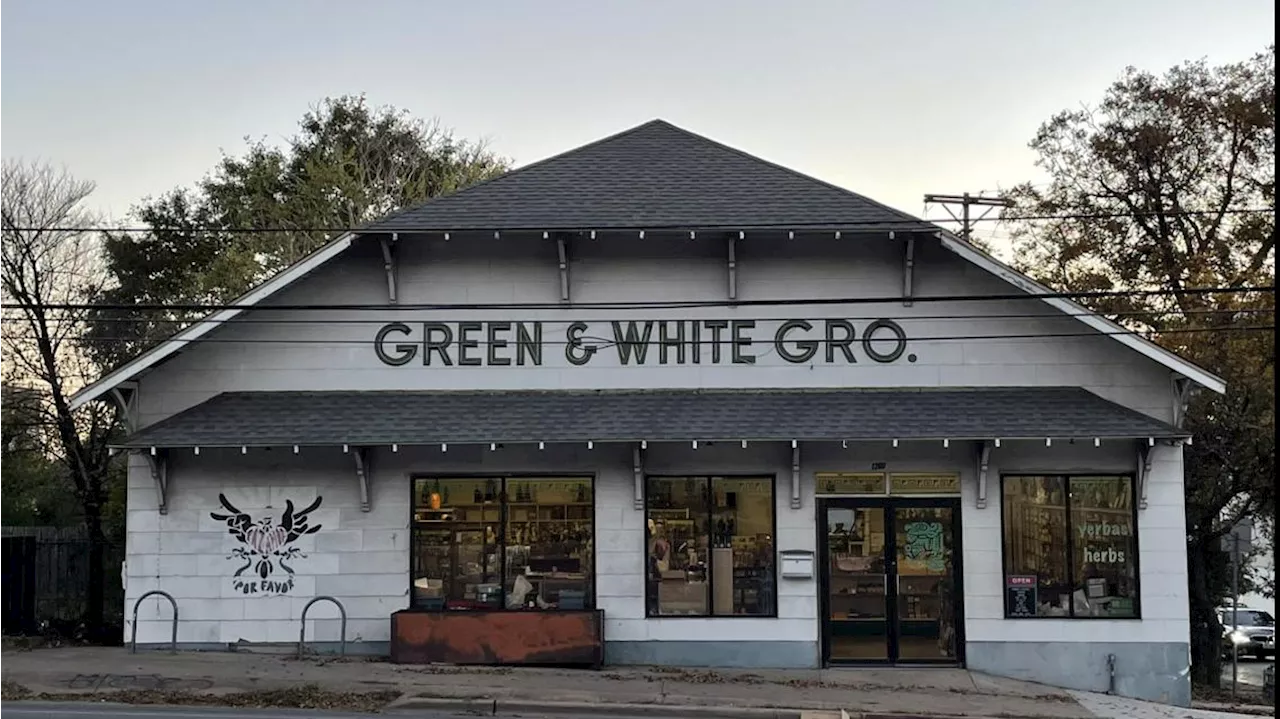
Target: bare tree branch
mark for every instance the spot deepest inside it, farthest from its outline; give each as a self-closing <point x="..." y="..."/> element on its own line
<point x="42" y="265"/>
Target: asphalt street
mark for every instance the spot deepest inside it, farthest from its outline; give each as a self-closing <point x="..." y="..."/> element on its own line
<point x="85" y="710"/>
<point x="1250" y="671"/>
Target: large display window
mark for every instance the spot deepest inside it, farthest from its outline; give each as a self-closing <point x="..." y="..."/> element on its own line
<point x="1070" y="546"/>
<point x="503" y="543"/>
<point x="710" y="547"/>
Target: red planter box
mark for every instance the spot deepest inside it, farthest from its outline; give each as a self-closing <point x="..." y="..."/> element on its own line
<point x="532" y="637"/>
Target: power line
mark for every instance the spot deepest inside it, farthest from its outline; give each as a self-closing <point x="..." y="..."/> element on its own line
<point x="905" y="223"/>
<point x="699" y="304"/>
<point x="605" y="342"/>
<point x="868" y="318"/>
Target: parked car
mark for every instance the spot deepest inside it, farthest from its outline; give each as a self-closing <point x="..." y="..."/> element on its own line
<point x="1253" y="633"/>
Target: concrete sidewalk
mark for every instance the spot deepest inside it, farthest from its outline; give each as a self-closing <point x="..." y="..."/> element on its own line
<point x="656" y="691"/>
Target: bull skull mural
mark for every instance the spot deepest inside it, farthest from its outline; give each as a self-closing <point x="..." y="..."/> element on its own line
<point x="266" y="546"/>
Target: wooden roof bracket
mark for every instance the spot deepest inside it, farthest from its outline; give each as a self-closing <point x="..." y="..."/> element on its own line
<point x="1183" y="388"/>
<point x="125" y="395"/>
<point x="984" y="464"/>
<point x="908" y="269"/>
<point x="795" y="474"/>
<point x="389" y="263"/>
<point x="158" y="461"/>
<point x="562" y="252"/>
<point x="637" y="467"/>
<point x="1145" y="448"/>
<point x="361" y="457"/>
<point x="733" y="264"/>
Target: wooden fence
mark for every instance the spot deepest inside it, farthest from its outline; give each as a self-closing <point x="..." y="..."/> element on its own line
<point x="46" y="580"/>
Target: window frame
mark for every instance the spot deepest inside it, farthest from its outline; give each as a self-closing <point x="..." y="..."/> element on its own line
<point x="502" y="478"/>
<point x="1071" y="544"/>
<point x="772" y="478"/>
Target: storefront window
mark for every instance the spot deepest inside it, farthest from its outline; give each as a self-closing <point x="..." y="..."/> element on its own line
<point x="709" y="546"/>
<point x="1070" y="547"/>
<point x="548" y="543"/>
<point x="1105" y="546"/>
<point x="502" y="543"/>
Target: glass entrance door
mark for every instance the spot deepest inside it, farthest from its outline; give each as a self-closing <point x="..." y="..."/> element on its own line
<point x="926" y="593"/>
<point x="857" y="583"/>
<point x="890" y="593"/>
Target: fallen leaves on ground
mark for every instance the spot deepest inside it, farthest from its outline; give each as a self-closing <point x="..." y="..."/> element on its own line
<point x="13" y="691"/>
<point x="25" y="643"/>
<point x="451" y="669"/>
<point x="309" y="696"/>
<point x="706" y="676"/>
<point x="1246" y="694"/>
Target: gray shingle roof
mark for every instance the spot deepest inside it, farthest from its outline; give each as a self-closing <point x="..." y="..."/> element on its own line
<point x="649" y="177"/>
<point x="330" y="418"/>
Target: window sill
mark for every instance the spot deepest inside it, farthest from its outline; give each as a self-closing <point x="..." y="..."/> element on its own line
<point x="711" y="616"/>
<point x="1076" y="619"/>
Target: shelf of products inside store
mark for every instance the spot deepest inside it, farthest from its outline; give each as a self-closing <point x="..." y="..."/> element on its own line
<point x="740" y="580"/>
<point x="857" y="597"/>
<point x="857" y="589"/>
<point x="861" y="597"/>
<point x="1039" y="534"/>
<point x="460" y="547"/>
<point x="920" y="598"/>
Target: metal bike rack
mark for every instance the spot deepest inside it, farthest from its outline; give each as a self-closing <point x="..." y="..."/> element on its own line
<point x="133" y="640"/>
<point x="302" y="635"/>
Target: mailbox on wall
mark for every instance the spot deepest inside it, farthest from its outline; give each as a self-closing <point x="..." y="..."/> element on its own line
<point x="796" y="563"/>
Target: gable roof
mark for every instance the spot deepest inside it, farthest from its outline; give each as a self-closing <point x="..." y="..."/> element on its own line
<point x="653" y="176"/>
<point x="1083" y="314"/>
<point x="650" y="177"/>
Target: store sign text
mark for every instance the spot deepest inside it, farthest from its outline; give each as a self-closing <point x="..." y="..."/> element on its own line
<point x="680" y="342"/>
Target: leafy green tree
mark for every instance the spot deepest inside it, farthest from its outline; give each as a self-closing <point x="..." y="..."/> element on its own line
<point x="1160" y="186"/>
<point x="348" y="164"/>
<point x="35" y="489"/>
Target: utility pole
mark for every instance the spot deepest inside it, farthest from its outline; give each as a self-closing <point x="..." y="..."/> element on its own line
<point x="1238" y="541"/>
<point x="966" y="201"/>
<point x="1235" y="611"/>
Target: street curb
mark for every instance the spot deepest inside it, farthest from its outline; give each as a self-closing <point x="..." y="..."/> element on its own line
<point x="514" y="707"/>
<point x="508" y="707"/>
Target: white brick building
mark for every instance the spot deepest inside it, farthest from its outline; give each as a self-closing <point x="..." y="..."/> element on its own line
<point x="827" y="455"/>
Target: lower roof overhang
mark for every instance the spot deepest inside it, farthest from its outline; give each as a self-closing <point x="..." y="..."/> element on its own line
<point x="381" y="418"/>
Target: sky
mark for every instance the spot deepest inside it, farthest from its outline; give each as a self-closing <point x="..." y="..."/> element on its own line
<point x="889" y="99"/>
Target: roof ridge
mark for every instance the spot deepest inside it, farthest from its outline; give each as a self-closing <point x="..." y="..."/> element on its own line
<point x="791" y="171"/>
<point x="516" y="171"/>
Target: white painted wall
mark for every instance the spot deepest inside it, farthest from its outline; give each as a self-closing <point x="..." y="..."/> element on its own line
<point x="362" y="558"/>
<point x="335" y="350"/>
<point x="1161" y="548"/>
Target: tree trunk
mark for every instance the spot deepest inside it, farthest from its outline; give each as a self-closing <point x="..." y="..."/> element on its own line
<point x="1206" y="632"/>
<point x="94" y="611"/>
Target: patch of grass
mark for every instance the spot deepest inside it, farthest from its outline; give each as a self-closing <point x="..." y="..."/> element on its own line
<point x="13" y="691"/>
<point x="308" y="696"/>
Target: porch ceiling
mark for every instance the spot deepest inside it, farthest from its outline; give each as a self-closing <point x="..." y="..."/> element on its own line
<point x="469" y="417"/>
